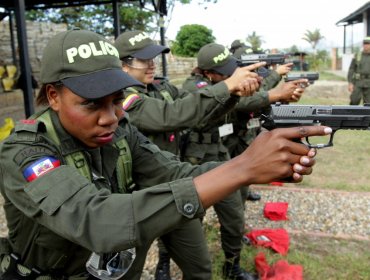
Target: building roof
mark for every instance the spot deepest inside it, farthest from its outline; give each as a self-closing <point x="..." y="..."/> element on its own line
<point x="355" y="17"/>
<point x="45" y="4"/>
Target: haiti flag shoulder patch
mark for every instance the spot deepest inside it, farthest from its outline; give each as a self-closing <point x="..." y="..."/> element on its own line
<point x="40" y="167"/>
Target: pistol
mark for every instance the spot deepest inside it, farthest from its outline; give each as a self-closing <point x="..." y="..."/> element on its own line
<point x="310" y="76"/>
<point x="335" y="116"/>
<point x="270" y="59"/>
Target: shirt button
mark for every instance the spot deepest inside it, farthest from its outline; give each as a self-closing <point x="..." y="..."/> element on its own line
<point x="189" y="208"/>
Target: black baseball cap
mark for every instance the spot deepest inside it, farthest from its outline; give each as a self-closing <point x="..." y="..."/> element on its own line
<point x="139" y="45"/>
<point x="86" y="63"/>
<point x="217" y="58"/>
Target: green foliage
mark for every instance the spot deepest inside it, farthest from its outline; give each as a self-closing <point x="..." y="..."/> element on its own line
<point x="96" y="18"/>
<point x="133" y="18"/>
<point x="292" y="49"/>
<point x="319" y="61"/>
<point x="99" y="18"/>
<point x="313" y="37"/>
<point x="255" y="41"/>
<point x="191" y="38"/>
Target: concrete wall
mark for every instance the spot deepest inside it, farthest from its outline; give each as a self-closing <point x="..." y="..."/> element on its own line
<point x="177" y="67"/>
<point x="38" y="34"/>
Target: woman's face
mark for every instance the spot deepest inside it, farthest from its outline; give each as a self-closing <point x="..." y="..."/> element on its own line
<point x="141" y="70"/>
<point x="93" y="122"/>
<point x="215" y="77"/>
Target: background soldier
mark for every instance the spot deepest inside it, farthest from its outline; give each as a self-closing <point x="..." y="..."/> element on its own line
<point x="359" y="75"/>
<point x="215" y="64"/>
<point x="236" y="44"/>
<point x="245" y="119"/>
<point x="178" y="109"/>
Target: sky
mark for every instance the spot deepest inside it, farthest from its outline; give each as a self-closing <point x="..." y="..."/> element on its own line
<point x="281" y="24"/>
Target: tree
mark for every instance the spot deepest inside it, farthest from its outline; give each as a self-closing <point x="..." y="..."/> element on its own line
<point x="255" y="41"/>
<point x="98" y="18"/>
<point x="320" y="60"/>
<point x="191" y="38"/>
<point x="313" y="38"/>
<point x="293" y="49"/>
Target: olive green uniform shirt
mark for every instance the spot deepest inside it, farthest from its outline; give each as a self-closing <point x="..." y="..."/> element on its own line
<point x="58" y="219"/>
<point x="241" y="113"/>
<point x="204" y="142"/>
<point x="359" y="75"/>
<point x="161" y="119"/>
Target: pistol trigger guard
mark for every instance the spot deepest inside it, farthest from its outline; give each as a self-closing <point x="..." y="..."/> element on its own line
<point x="320" y="146"/>
<point x="331" y="139"/>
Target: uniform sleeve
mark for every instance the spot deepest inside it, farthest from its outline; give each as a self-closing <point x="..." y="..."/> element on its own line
<point x="253" y="103"/>
<point x="351" y="70"/>
<point x="151" y="165"/>
<point x="65" y="202"/>
<point x="154" y="115"/>
<point x="179" y="93"/>
<point x="190" y="84"/>
<point x="271" y="81"/>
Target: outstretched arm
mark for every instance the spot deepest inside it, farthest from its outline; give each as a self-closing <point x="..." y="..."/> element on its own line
<point x="272" y="156"/>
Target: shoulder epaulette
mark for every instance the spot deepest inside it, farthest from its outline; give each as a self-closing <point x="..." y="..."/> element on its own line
<point x="158" y="80"/>
<point x="26" y="130"/>
<point x="131" y="90"/>
<point x="27" y="125"/>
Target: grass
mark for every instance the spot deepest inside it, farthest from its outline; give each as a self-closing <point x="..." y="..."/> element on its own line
<point x="345" y="166"/>
<point x="327" y="76"/>
<point x="320" y="258"/>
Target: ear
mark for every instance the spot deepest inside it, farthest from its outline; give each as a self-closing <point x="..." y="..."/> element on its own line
<point x="208" y="75"/>
<point x="125" y="68"/>
<point x="53" y="96"/>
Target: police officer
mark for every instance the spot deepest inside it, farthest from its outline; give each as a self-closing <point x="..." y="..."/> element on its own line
<point x="246" y="121"/>
<point x="275" y="73"/>
<point x="180" y="109"/>
<point x="68" y="173"/>
<point x="359" y="75"/>
<point x="215" y="64"/>
<point x="237" y="44"/>
<point x="204" y="145"/>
